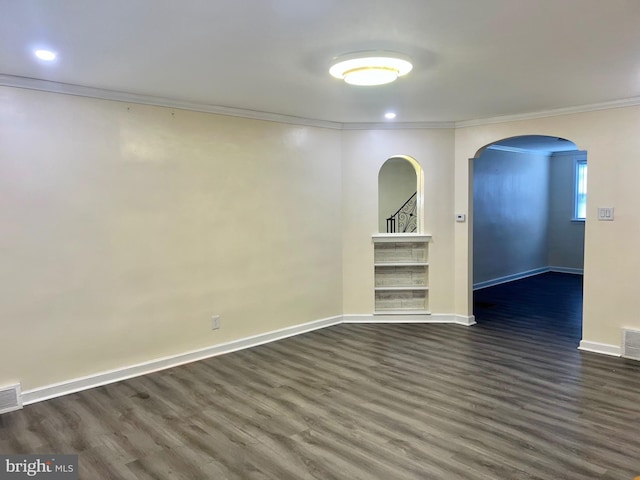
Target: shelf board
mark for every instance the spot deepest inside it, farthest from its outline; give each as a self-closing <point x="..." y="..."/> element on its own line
<point x="400" y="237"/>
<point x="402" y="312"/>
<point x="401" y="264"/>
<point x="400" y="287"/>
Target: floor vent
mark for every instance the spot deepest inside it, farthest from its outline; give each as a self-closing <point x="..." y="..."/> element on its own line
<point x="10" y="399"/>
<point x="631" y="344"/>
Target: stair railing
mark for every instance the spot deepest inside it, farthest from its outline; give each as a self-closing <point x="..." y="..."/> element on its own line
<point x="405" y="219"/>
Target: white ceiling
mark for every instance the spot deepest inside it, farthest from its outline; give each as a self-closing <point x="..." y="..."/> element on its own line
<point x="473" y="59"/>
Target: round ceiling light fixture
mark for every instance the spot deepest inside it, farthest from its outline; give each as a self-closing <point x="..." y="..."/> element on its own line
<point x="370" y="68"/>
<point x="46" y="55"/>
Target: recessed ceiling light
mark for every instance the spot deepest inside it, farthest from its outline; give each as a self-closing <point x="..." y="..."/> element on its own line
<point x="370" y="68"/>
<point x="389" y="115"/>
<point x="46" y="55"/>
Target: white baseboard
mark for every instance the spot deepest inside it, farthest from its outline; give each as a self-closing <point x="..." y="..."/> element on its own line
<point x="574" y="271"/>
<point x="467" y="320"/>
<point x="602" y="348"/>
<point x="358" y="318"/>
<point x="529" y="273"/>
<point x="421" y="318"/>
<point x="104" y="378"/>
<point x="509" y="278"/>
<point x="398" y="318"/>
<point x="116" y="375"/>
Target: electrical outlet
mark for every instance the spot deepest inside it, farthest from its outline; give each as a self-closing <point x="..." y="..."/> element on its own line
<point x="215" y="322"/>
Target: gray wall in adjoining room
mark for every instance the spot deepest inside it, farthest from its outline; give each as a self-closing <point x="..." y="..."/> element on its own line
<point x="566" y="237"/>
<point x="522" y="214"/>
<point x="510" y="213"/>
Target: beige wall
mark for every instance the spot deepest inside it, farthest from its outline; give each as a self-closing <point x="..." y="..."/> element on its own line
<point x="612" y="262"/>
<point x="124" y="227"/>
<point x="363" y="153"/>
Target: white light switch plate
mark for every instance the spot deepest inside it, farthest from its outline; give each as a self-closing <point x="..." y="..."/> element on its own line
<point x="605" y="214"/>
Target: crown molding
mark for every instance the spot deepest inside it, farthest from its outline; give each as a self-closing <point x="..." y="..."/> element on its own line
<point x="625" y="102"/>
<point x="103" y="94"/>
<point x="577" y="154"/>
<point x="504" y="148"/>
<point x="397" y="125"/>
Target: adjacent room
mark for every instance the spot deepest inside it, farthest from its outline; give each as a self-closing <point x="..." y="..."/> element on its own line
<point x="529" y="210"/>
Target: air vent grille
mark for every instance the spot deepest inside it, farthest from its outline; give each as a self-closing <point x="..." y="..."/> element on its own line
<point x="10" y="398"/>
<point x="631" y="344"/>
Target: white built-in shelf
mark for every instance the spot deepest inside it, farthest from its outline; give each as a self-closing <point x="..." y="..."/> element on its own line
<point x="400" y="287"/>
<point x="400" y="237"/>
<point x="402" y="312"/>
<point x="401" y="264"/>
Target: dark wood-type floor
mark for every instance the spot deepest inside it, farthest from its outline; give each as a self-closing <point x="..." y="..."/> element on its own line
<point x="509" y="398"/>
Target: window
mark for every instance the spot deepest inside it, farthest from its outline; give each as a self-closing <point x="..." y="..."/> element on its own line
<point x="580" y="197"/>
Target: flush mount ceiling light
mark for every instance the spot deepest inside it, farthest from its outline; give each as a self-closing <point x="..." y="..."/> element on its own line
<point x="46" y="55"/>
<point x="370" y="68"/>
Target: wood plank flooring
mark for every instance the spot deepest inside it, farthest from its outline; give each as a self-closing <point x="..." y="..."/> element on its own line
<point x="510" y="398"/>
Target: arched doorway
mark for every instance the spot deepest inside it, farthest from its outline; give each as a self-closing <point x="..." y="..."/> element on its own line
<point x="525" y="233"/>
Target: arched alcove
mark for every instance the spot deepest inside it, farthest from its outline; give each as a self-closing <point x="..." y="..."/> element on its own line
<point x="400" y="194"/>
